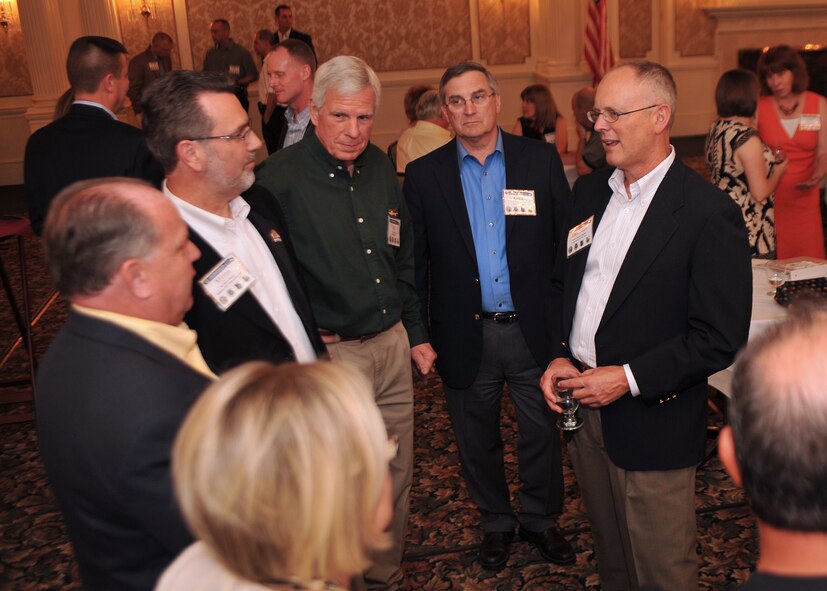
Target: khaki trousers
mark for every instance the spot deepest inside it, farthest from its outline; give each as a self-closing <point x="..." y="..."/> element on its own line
<point x="386" y="361"/>
<point x="643" y="523"/>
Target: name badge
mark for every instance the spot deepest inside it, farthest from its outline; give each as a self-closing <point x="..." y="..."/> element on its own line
<point x="234" y="70"/>
<point x="810" y="123"/>
<point x="394" y="231"/>
<point x="226" y="282"/>
<point x="580" y="236"/>
<point x="154" y="67"/>
<point x="519" y="202"/>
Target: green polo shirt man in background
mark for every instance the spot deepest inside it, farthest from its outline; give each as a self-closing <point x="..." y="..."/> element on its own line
<point x="353" y="238"/>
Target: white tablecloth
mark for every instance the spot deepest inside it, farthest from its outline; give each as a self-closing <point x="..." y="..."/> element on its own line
<point x="765" y="313"/>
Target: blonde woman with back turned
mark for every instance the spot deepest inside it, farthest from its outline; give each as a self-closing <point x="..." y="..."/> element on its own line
<point x="281" y="473"/>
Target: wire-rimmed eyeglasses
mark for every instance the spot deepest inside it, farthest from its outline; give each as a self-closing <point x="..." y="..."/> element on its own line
<point x="238" y="136"/>
<point x="611" y="115"/>
<point x="457" y="103"/>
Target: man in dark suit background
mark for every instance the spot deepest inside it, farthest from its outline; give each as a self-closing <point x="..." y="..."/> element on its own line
<point x="290" y="67"/>
<point x="115" y="384"/>
<point x="148" y="66"/>
<point x="487" y="210"/>
<point x="655" y="287"/>
<point x="89" y="141"/>
<point x="285" y="30"/>
<point x="249" y="300"/>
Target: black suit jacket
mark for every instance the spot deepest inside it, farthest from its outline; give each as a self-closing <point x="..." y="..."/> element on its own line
<point x="294" y="34"/>
<point x="283" y="132"/>
<point x="109" y="404"/>
<point x="85" y="143"/>
<point x="678" y="312"/>
<point x="447" y="278"/>
<point x="245" y="332"/>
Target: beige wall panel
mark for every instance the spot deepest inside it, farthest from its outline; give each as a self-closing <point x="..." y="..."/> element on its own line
<point x="505" y="36"/>
<point x="15" y="79"/>
<point x="635" y="28"/>
<point x="694" y="30"/>
<point x="388" y="34"/>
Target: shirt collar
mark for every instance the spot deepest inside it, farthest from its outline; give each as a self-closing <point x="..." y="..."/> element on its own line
<point x="98" y="105"/>
<point x="462" y="152"/>
<point x="239" y="209"/>
<point x="302" y="117"/>
<point x="316" y="148"/>
<point x="647" y="185"/>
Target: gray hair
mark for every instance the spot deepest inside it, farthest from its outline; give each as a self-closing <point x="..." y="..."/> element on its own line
<point x="429" y="106"/>
<point x="91" y="229"/>
<point x="171" y="111"/>
<point x="345" y="74"/>
<point x="461" y="68"/>
<point x="778" y="416"/>
<point x="659" y="80"/>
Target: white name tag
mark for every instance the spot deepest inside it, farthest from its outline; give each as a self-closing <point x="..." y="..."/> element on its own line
<point x="394" y="231"/>
<point x="810" y="123"/>
<point x="580" y="236"/>
<point x="154" y="67"/>
<point x="519" y="202"/>
<point x="226" y="282"/>
<point x="234" y="70"/>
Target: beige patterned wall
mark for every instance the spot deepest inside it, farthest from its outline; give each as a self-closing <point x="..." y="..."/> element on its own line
<point x="137" y="31"/>
<point x="14" y="70"/>
<point x="635" y="28"/>
<point x="694" y="30"/>
<point x="388" y="34"/>
<point x="504" y="31"/>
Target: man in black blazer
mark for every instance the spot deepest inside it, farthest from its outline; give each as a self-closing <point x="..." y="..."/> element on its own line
<point x="88" y="142"/>
<point x="655" y="287"/>
<point x="290" y="67"/>
<point x="485" y="232"/>
<point x="117" y="381"/>
<point x="285" y="30"/>
<point x="249" y="299"/>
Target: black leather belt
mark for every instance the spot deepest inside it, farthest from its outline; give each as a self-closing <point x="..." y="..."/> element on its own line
<point x="580" y="365"/>
<point x="504" y="317"/>
<point x="331" y="337"/>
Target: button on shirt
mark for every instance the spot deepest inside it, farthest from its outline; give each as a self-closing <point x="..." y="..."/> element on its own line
<point x="483" y="185"/>
<point x="296" y="124"/>
<point x="612" y="239"/>
<point x="237" y="235"/>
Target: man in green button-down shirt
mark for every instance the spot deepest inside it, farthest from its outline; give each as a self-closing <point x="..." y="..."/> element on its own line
<point x="352" y="234"/>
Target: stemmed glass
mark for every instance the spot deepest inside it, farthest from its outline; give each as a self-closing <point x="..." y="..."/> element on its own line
<point x="568" y="421"/>
<point x="777" y="276"/>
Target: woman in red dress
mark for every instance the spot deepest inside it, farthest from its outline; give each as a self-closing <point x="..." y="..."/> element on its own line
<point x="794" y="121"/>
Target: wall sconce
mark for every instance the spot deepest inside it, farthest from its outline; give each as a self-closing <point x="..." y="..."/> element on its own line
<point x="145" y="9"/>
<point x="6" y="15"/>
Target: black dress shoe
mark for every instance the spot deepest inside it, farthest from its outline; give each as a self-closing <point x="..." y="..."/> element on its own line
<point x="494" y="549"/>
<point x="551" y="543"/>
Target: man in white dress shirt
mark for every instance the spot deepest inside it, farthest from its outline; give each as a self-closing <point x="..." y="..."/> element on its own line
<point x="249" y="300"/>
<point x="655" y="288"/>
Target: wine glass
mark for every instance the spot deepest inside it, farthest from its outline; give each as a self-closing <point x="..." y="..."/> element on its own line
<point x="779" y="154"/>
<point x="568" y="421"/>
<point x="776" y="276"/>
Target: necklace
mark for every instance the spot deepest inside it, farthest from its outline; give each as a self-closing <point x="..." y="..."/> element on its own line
<point x="787" y="112"/>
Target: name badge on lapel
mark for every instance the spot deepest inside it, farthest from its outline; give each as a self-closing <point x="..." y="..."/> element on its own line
<point x="154" y="67"/>
<point x="580" y="236"/>
<point x="394" y="228"/>
<point x="810" y="123"/>
<point x="519" y="202"/>
<point x="234" y="70"/>
<point x="226" y="282"/>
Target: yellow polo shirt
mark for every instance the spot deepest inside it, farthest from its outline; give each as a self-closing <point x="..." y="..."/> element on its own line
<point x="179" y="341"/>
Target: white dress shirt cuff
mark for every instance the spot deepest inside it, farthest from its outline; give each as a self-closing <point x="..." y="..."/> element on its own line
<point x="630" y="377"/>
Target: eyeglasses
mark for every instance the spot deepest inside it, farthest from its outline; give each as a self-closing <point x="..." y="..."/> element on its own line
<point x="457" y="103"/>
<point x="611" y="115"/>
<point x="239" y="136"/>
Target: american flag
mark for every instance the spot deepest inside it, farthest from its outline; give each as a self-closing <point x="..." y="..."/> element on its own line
<point x="598" y="48"/>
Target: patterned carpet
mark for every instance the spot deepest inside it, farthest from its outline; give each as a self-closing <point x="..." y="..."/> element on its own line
<point x="443" y="536"/>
